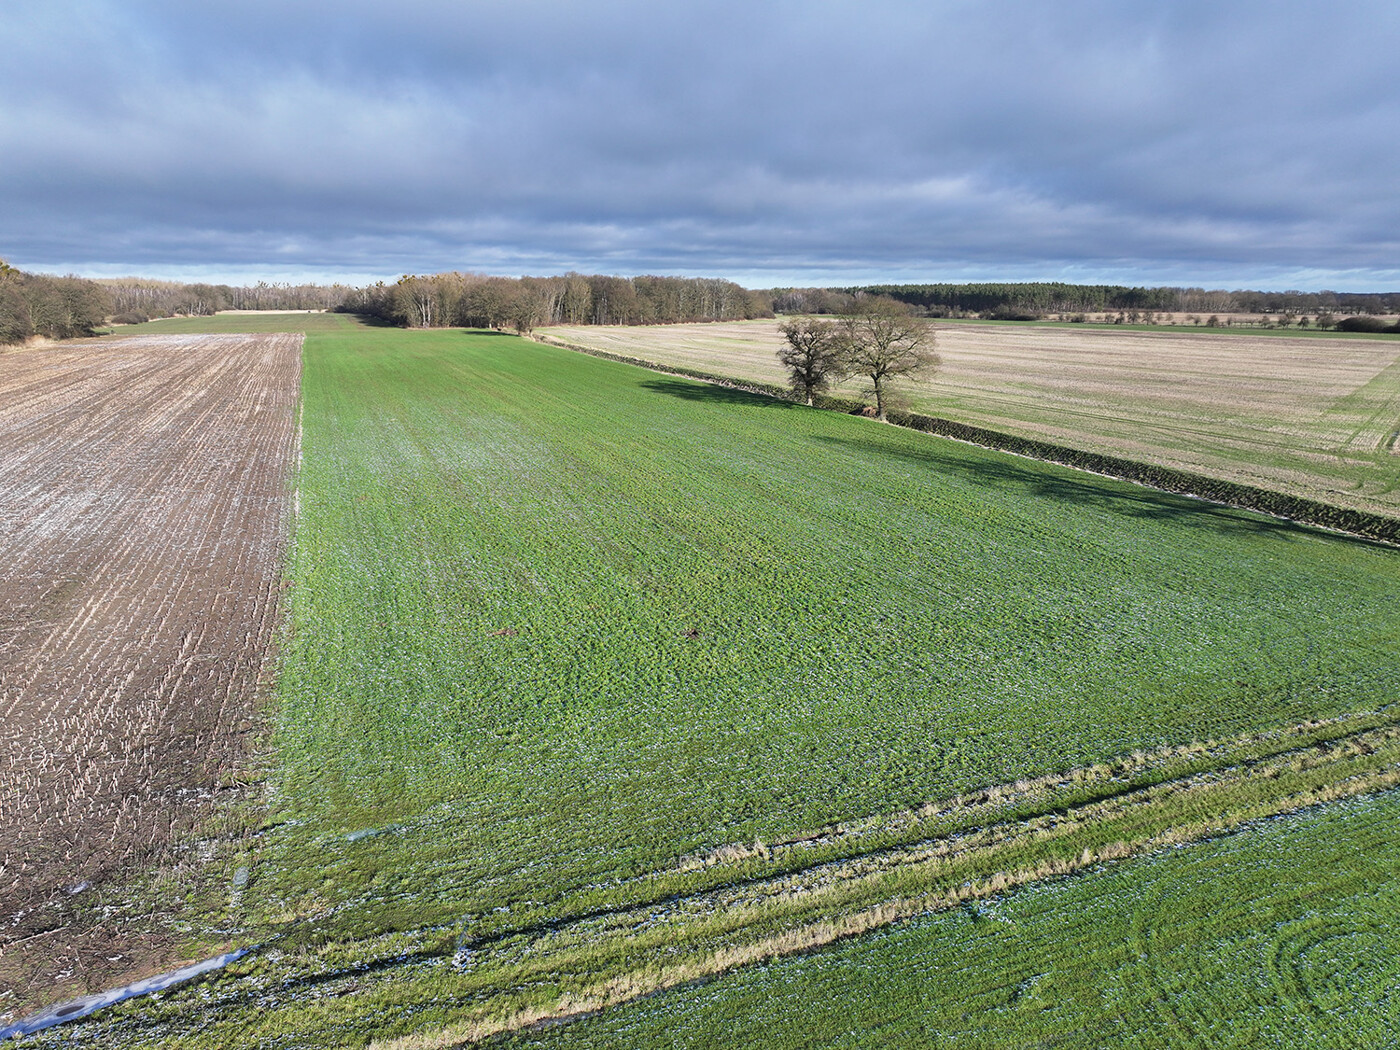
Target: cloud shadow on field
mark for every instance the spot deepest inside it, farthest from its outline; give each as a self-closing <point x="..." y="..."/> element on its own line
<point x="694" y="390"/>
<point x="1117" y="496"/>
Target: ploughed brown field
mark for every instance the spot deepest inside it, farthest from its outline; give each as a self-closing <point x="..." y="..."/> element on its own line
<point x="145" y="499"/>
<point x="1316" y="417"/>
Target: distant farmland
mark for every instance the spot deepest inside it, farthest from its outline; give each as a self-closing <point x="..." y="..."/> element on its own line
<point x="597" y="681"/>
<point x="1313" y="416"/>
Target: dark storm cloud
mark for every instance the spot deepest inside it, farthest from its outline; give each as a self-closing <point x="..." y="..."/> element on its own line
<point x="1183" y="142"/>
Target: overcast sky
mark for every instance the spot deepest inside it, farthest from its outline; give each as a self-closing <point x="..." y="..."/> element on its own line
<point x="1225" y="144"/>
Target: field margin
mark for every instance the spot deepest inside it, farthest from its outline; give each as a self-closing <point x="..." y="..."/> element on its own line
<point x="561" y="972"/>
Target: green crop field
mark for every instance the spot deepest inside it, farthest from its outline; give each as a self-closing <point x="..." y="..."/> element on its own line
<point x="1287" y="934"/>
<point x="1313" y="415"/>
<point x="596" y="679"/>
<point x="687" y="617"/>
<point x="230" y="321"/>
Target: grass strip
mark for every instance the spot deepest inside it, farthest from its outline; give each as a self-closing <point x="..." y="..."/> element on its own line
<point x="710" y="936"/>
<point x="1284" y="933"/>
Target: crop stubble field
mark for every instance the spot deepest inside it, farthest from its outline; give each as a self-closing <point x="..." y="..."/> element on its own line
<point x="1313" y="416"/>
<point x="599" y="681"/>
<point x="144" y="503"/>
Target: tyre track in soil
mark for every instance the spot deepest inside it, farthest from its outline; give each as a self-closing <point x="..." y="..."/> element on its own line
<point x="144" y="507"/>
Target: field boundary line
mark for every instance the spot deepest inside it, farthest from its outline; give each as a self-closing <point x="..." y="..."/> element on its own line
<point x="1281" y="505"/>
<point x="791" y="918"/>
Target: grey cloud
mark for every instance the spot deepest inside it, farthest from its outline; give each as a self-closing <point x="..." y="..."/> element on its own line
<point x="921" y="138"/>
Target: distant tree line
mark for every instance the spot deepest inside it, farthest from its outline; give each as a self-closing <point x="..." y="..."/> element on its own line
<point x="1026" y="301"/>
<point x="61" y="307"/>
<point x="65" y="307"/>
<point x="136" y="299"/>
<point x="55" y="307"/>
<point x="524" y="303"/>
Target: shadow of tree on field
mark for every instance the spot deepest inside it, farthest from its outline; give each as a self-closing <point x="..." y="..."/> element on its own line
<point x="694" y="390"/>
<point x="375" y="321"/>
<point x="482" y="333"/>
<point x="1116" y="496"/>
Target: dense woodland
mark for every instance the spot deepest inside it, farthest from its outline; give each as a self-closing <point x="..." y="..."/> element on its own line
<point x="1028" y="301"/>
<point x="63" y="307"/>
<point x="135" y="300"/>
<point x="477" y="301"/>
<point x="55" y="307"/>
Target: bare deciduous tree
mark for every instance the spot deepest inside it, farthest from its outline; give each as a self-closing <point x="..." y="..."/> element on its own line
<point x="882" y="342"/>
<point x="416" y="300"/>
<point x="812" y="355"/>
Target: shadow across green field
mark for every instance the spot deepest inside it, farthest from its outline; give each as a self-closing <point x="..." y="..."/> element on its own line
<point x="477" y="334"/>
<point x="712" y="393"/>
<point x="1113" y="496"/>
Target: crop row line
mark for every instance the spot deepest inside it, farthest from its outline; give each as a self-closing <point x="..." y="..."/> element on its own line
<point x="748" y="904"/>
<point x="584" y="966"/>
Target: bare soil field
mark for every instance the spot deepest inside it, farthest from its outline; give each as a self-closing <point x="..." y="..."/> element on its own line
<point x="144" y="504"/>
<point x="1315" y="417"/>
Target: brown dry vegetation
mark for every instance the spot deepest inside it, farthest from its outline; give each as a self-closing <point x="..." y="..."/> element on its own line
<point x="1312" y="417"/>
<point x="144" y="504"/>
